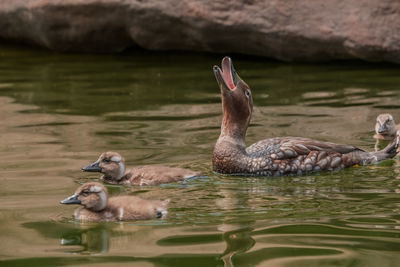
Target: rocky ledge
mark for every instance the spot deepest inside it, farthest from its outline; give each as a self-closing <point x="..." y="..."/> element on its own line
<point x="289" y="30"/>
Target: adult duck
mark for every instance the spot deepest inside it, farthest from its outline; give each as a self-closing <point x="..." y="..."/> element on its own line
<point x="279" y="155"/>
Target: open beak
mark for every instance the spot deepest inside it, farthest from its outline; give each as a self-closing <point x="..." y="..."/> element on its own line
<point x="94" y="167"/>
<point x="71" y="200"/>
<point x="227" y="77"/>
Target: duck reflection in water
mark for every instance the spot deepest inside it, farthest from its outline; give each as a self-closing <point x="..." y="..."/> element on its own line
<point x="237" y="241"/>
<point x="92" y="240"/>
<point x="237" y="236"/>
<point x="79" y="238"/>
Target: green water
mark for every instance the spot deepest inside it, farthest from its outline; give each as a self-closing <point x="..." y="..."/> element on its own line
<point x="60" y="111"/>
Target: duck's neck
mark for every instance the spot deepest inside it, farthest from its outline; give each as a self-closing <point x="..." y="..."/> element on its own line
<point x="101" y="205"/>
<point x="230" y="154"/>
<point x="121" y="170"/>
<point x="394" y="130"/>
<point x="117" y="175"/>
<point x="233" y="130"/>
<point x="232" y="141"/>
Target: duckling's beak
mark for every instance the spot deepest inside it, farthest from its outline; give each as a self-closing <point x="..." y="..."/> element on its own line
<point x="227" y="78"/>
<point x="383" y="128"/>
<point x="71" y="200"/>
<point x="94" y="167"/>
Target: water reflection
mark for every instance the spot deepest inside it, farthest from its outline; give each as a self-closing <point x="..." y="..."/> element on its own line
<point x="79" y="238"/>
<point x="92" y="240"/>
<point x="237" y="242"/>
<point x="346" y="240"/>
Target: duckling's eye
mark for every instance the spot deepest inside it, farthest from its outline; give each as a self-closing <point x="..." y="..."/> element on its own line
<point x="107" y="160"/>
<point x="247" y="92"/>
<point x="85" y="193"/>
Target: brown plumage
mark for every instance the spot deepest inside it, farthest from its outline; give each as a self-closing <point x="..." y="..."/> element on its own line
<point x="112" y="165"/>
<point x="385" y="127"/>
<point x="97" y="207"/>
<point x="280" y="155"/>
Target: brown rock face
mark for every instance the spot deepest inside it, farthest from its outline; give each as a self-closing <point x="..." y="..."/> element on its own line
<point x="289" y="30"/>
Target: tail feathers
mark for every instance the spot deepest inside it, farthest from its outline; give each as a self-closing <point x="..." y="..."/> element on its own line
<point x="390" y="150"/>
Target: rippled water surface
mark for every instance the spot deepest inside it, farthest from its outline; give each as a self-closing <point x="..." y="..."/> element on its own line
<point x="60" y="111"/>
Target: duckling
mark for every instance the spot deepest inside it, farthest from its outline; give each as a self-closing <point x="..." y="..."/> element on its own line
<point x="385" y="127"/>
<point x="112" y="165"/>
<point x="279" y="155"/>
<point x="97" y="207"/>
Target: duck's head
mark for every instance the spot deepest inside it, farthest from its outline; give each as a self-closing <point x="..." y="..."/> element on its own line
<point x="237" y="101"/>
<point x="110" y="163"/>
<point x="92" y="196"/>
<point x="385" y="125"/>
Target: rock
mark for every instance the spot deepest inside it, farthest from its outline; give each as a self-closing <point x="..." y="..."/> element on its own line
<point x="289" y="30"/>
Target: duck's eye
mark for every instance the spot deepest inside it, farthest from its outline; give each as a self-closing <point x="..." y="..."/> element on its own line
<point x="107" y="160"/>
<point x="85" y="193"/>
<point x="247" y="92"/>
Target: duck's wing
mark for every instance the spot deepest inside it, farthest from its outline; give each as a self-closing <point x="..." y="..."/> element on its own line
<point x="298" y="155"/>
<point x="291" y="147"/>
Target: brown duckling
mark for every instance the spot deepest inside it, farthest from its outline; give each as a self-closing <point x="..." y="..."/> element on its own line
<point x="280" y="155"/>
<point x="385" y="127"/>
<point x="112" y="165"/>
<point x="97" y="207"/>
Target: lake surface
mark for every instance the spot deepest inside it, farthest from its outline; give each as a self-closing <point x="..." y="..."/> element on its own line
<point x="60" y="111"/>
